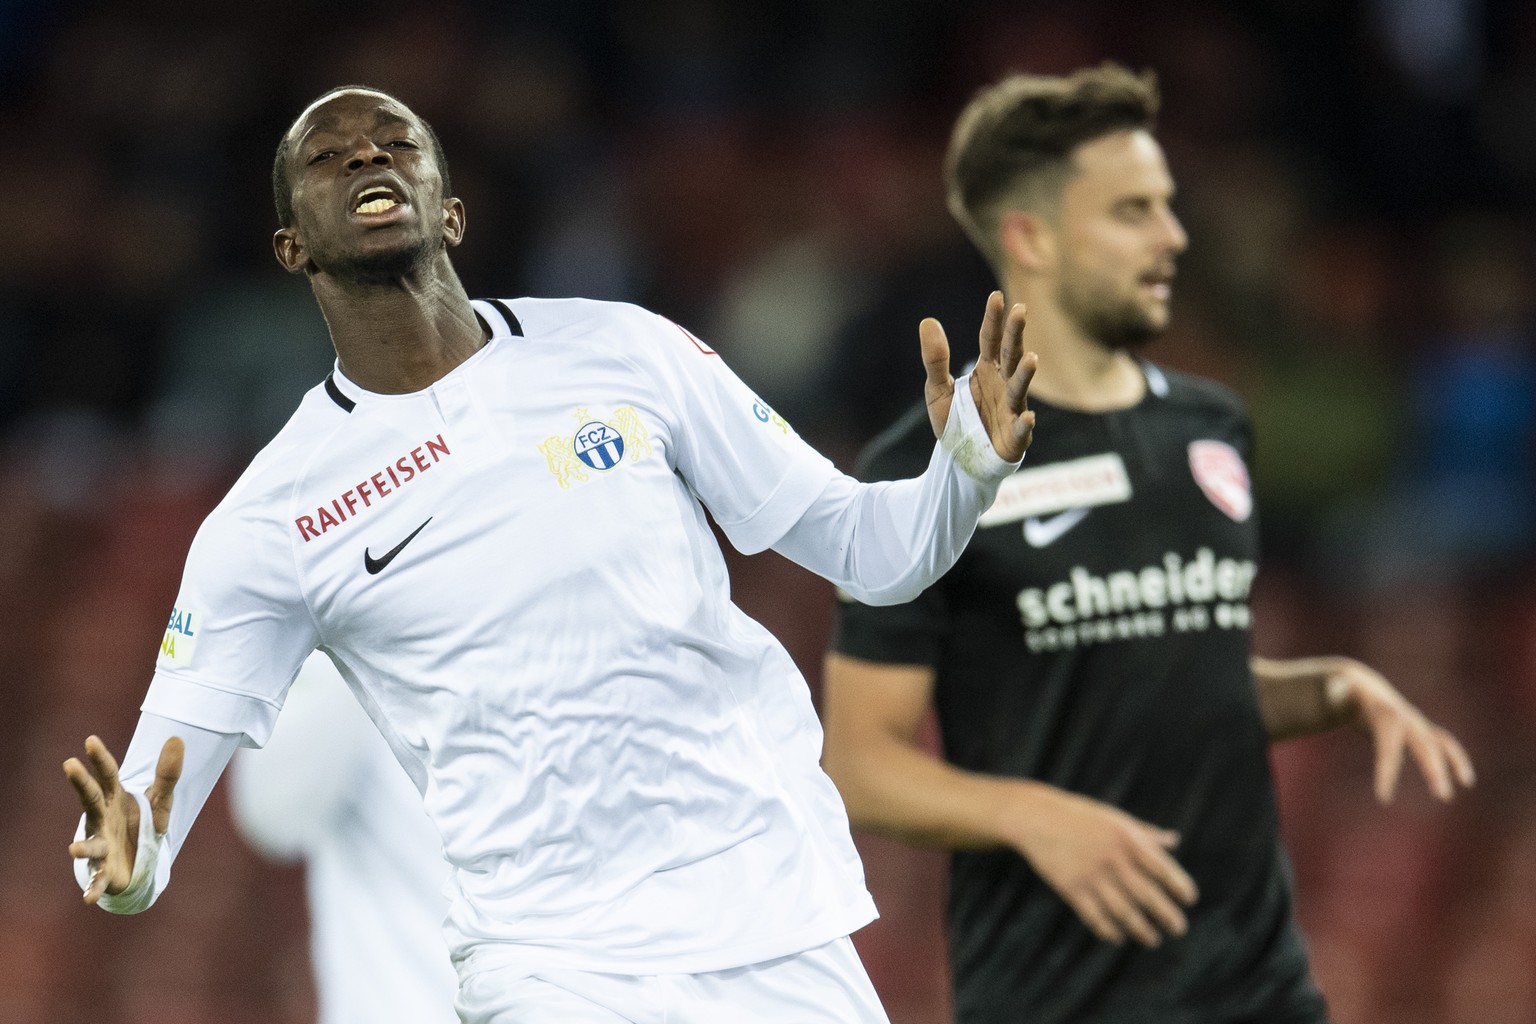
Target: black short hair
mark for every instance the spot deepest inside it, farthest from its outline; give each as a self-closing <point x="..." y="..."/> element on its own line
<point x="282" y="188"/>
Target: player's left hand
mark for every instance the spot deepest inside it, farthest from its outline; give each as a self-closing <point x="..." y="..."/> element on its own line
<point x="1365" y="697"/>
<point x="999" y="384"/>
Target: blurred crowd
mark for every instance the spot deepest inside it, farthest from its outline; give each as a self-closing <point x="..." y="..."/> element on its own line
<point x="1356" y="179"/>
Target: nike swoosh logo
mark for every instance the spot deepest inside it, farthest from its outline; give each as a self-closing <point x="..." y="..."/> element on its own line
<point x="1041" y="533"/>
<point x="376" y="565"/>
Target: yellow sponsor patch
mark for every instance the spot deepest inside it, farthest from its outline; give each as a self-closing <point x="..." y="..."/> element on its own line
<point x="180" y="640"/>
<point x="765" y="414"/>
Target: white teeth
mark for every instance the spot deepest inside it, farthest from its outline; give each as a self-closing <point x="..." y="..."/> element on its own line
<point x="375" y="200"/>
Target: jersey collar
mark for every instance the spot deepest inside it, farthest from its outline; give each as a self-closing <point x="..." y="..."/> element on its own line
<point x="494" y="315"/>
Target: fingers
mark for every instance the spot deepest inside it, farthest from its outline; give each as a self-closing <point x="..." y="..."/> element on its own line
<point x="1019" y="380"/>
<point x="90" y="848"/>
<point x="939" y="388"/>
<point x="1024" y="430"/>
<point x="1145" y="895"/>
<point x="1158" y="914"/>
<point x="1000" y="385"/>
<point x="95" y="850"/>
<point x="1018" y="397"/>
<point x="1440" y="757"/>
<point x="1389" y="760"/>
<point x="1168" y="873"/>
<point x="992" y="328"/>
<point x="1139" y="894"/>
<point x="103" y="765"/>
<point x="1433" y="764"/>
<point x="86" y="787"/>
<point x="168" y="768"/>
<point x="98" y="884"/>
<point x="1097" y="917"/>
<point x="1132" y="906"/>
<point x="1394" y="724"/>
<point x="1442" y="760"/>
<point x="935" y="345"/>
<point x="1461" y="764"/>
<point x="1128" y="916"/>
<point x="1002" y="402"/>
<point x="97" y="785"/>
<point x="167" y="774"/>
<point x="1013" y="340"/>
<point x="1161" y="885"/>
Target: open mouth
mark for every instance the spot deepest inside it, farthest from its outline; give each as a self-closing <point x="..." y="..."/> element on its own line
<point x="1160" y="281"/>
<point x="375" y="199"/>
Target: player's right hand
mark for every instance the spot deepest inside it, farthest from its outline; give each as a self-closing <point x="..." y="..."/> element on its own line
<point x="1114" y="870"/>
<point x="112" y="815"/>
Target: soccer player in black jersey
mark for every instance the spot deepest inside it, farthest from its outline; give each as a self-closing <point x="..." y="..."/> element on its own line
<point x="1106" y="790"/>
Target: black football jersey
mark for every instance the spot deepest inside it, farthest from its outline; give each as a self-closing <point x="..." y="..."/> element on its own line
<point x="1094" y="636"/>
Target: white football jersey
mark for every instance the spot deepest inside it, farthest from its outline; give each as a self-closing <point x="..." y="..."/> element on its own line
<point x="514" y="572"/>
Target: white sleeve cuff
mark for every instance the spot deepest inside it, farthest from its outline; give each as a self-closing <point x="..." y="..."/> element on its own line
<point x="967" y="441"/>
<point x="141" y="890"/>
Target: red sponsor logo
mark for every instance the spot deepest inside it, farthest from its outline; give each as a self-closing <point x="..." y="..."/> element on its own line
<point x="372" y="488"/>
<point x="1083" y="485"/>
<point x="1221" y="474"/>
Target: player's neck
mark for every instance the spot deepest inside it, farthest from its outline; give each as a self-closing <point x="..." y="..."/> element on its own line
<point x="1076" y="371"/>
<point x="403" y="336"/>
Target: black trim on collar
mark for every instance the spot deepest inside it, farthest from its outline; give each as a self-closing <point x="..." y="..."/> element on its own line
<point x="340" y="399"/>
<point x="513" y="324"/>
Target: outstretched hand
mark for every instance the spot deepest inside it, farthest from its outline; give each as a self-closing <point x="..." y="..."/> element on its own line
<point x="999" y="384"/>
<point x="1397" y="727"/>
<point x="111" y="840"/>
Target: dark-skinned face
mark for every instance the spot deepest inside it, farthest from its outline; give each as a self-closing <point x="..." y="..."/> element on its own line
<point x="367" y="192"/>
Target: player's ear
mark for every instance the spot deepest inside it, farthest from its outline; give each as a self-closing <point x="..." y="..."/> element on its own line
<point x="453" y="221"/>
<point x="1027" y="239"/>
<point x="289" y="249"/>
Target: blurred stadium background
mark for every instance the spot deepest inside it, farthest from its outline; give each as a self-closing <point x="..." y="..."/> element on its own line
<point x="1357" y="181"/>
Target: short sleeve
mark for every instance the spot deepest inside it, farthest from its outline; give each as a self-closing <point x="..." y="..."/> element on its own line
<point x="746" y="464"/>
<point x="912" y="633"/>
<point x="899" y="634"/>
<point x="239" y="629"/>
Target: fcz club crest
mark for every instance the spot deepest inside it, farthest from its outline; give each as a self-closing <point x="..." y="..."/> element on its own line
<point x="597" y="446"/>
<point x="1219" y="470"/>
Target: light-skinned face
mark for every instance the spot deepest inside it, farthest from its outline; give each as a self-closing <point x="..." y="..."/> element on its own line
<point x="1118" y="240"/>
<point x="367" y="192"/>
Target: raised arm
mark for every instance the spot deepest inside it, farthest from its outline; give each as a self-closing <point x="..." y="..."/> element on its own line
<point x="1302" y="696"/>
<point x="884" y="542"/>
<point x="1114" y="870"/>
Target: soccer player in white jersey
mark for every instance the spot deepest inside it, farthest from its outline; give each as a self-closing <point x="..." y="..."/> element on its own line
<point x="326" y="790"/>
<point x="492" y="518"/>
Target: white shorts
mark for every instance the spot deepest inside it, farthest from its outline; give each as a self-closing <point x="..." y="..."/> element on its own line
<point x="825" y="985"/>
